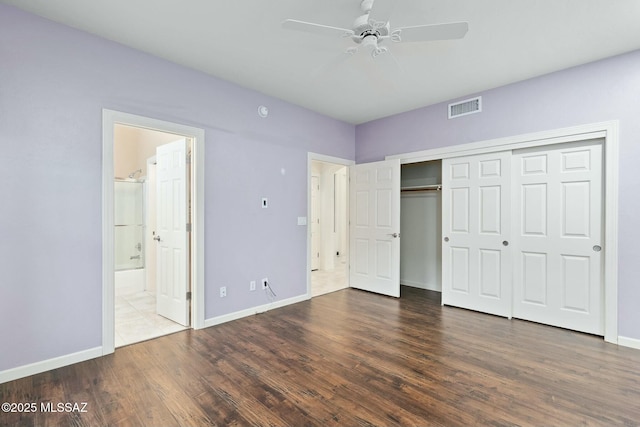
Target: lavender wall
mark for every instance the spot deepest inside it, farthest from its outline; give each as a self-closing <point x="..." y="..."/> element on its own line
<point x="596" y="92"/>
<point x="54" y="83"/>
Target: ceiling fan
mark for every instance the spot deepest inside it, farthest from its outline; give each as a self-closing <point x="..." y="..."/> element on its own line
<point x="372" y="28"/>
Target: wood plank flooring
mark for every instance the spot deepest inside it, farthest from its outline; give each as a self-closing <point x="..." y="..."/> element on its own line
<point x="349" y="358"/>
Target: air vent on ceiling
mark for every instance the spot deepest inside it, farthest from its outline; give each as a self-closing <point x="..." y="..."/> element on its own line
<point x="468" y="106"/>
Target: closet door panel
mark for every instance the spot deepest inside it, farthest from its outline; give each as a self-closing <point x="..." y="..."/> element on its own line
<point x="475" y="226"/>
<point x="558" y="233"/>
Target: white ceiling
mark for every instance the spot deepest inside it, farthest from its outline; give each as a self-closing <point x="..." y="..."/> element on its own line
<point x="242" y="41"/>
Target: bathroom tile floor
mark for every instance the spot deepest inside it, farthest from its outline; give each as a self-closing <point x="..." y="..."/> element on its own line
<point x="136" y="319"/>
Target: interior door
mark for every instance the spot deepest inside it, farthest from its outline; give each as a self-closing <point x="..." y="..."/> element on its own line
<point x="375" y="227"/>
<point x="476" y="264"/>
<point x="557" y="236"/>
<point x="172" y="235"/>
<point x="315" y="222"/>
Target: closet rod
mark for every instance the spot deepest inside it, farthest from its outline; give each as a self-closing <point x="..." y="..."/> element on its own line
<point x="422" y="188"/>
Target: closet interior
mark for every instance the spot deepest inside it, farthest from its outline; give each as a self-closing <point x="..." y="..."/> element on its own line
<point x="421" y="225"/>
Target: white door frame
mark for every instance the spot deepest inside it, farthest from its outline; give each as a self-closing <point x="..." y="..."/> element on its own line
<point x="327" y="159"/>
<point x="313" y="222"/>
<point x="109" y="119"/>
<point x="606" y="130"/>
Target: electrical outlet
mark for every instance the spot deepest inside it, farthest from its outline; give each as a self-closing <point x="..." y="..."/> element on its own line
<point x="252" y="285"/>
<point x="223" y="292"/>
<point x="264" y="283"/>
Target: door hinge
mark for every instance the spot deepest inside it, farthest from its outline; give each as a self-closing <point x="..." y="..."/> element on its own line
<point x="188" y="295"/>
<point x="189" y="228"/>
<point x="188" y="160"/>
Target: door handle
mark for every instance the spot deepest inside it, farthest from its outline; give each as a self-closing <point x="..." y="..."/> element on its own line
<point x="505" y="243"/>
<point x="156" y="238"/>
<point x="597" y="248"/>
<point x="395" y="235"/>
<point x="446" y="239"/>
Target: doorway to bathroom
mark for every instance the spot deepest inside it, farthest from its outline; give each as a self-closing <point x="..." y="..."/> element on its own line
<point x="153" y="228"/>
<point x="148" y="255"/>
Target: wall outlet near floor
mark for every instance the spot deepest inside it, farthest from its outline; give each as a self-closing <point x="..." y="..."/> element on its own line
<point x="252" y="285"/>
<point x="265" y="281"/>
<point x="223" y="292"/>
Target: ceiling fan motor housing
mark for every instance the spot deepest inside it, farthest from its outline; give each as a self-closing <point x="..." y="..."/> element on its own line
<point x="363" y="29"/>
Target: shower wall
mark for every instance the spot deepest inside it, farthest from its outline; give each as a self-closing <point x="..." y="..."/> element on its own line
<point x="129" y="236"/>
<point x="129" y="225"/>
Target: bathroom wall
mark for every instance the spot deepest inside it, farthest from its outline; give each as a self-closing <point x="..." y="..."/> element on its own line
<point x="133" y="146"/>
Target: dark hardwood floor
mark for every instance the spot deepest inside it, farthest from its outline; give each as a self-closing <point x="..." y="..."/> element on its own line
<point x="349" y="358"/>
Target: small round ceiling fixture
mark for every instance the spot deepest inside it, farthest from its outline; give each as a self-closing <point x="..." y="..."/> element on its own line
<point x="263" y="111"/>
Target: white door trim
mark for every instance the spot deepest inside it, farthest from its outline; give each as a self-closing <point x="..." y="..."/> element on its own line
<point x="608" y="131"/>
<point x="327" y="159"/>
<point x="109" y="119"/>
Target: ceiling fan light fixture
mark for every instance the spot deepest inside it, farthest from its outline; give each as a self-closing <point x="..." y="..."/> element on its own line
<point x="370" y="42"/>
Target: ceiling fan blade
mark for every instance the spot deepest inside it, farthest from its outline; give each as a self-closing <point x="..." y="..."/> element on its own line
<point x="388" y="69"/>
<point x="381" y="12"/>
<point x="309" y="27"/>
<point x="328" y="68"/>
<point x="422" y="33"/>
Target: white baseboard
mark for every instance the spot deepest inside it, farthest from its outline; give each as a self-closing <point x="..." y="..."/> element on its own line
<point x="47" y="365"/>
<point x="254" y="310"/>
<point x="92" y="353"/>
<point x="629" y="342"/>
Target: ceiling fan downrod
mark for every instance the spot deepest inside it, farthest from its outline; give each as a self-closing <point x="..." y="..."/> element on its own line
<point x="369" y="33"/>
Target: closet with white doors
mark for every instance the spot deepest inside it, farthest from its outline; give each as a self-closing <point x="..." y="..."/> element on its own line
<point x="420" y="220"/>
<point x="522" y="234"/>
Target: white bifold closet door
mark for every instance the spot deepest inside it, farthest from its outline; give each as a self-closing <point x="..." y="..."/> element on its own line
<point x="557" y="236"/>
<point x="476" y="267"/>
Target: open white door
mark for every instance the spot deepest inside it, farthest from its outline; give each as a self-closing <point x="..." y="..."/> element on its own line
<point x="172" y="235"/>
<point x="476" y="259"/>
<point x="375" y="227"/>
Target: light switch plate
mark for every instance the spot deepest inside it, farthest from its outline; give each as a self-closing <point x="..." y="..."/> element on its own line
<point x="302" y="220"/>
